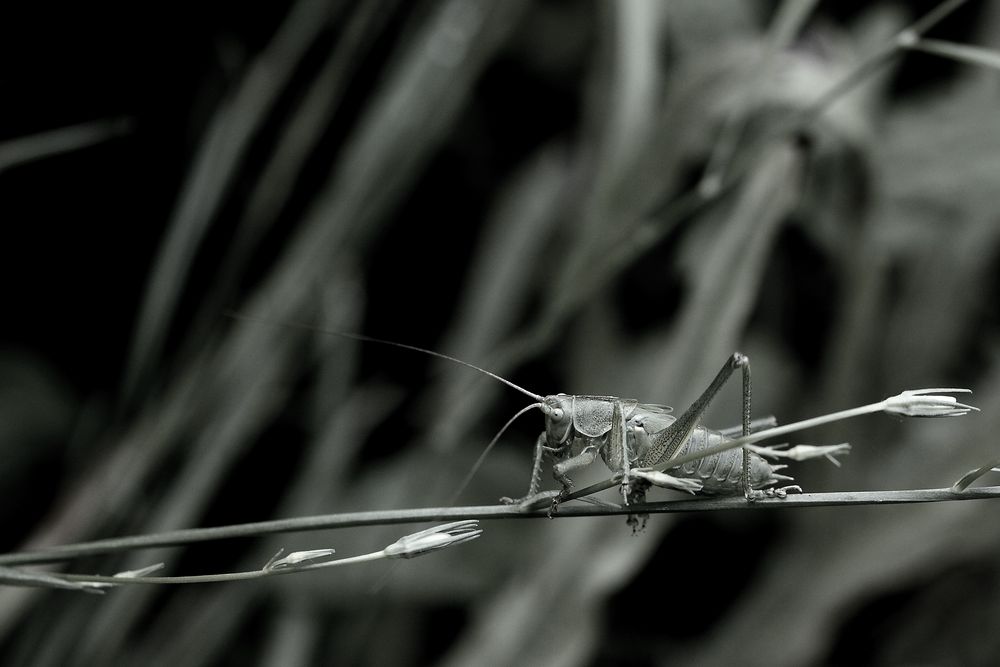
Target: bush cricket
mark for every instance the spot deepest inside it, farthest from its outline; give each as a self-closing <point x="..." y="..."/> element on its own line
<point x="645" y="445"/>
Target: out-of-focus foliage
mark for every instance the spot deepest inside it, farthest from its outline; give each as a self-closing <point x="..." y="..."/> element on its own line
<point x="530" y="186"/>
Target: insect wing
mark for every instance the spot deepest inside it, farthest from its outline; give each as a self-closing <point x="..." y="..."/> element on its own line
<point x="645" y="423"/>
<point x="652" y="418"/>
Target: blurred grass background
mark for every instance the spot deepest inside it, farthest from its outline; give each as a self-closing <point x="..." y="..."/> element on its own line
<point x="529" y="186"/>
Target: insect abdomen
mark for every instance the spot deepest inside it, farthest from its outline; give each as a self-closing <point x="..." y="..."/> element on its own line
<point x="720" y="473"/>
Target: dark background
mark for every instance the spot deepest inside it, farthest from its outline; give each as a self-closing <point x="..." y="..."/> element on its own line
<point x="516" y="184"/>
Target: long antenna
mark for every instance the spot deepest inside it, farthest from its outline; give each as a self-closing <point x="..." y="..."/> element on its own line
<point x="482" y="457"/>
<point x="382" y="341"/>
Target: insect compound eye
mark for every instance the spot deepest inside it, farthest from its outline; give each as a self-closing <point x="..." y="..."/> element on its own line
<point x="557" y="414"/>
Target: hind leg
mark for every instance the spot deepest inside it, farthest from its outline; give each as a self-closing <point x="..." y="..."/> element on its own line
<point x="669" y="441"/>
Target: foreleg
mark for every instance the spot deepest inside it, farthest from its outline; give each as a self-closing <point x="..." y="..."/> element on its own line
<point x="541" y="447"/>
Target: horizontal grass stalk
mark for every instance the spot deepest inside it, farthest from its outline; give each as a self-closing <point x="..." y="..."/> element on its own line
<point x="408" y="546"/>
<point x="924" y="403"/>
